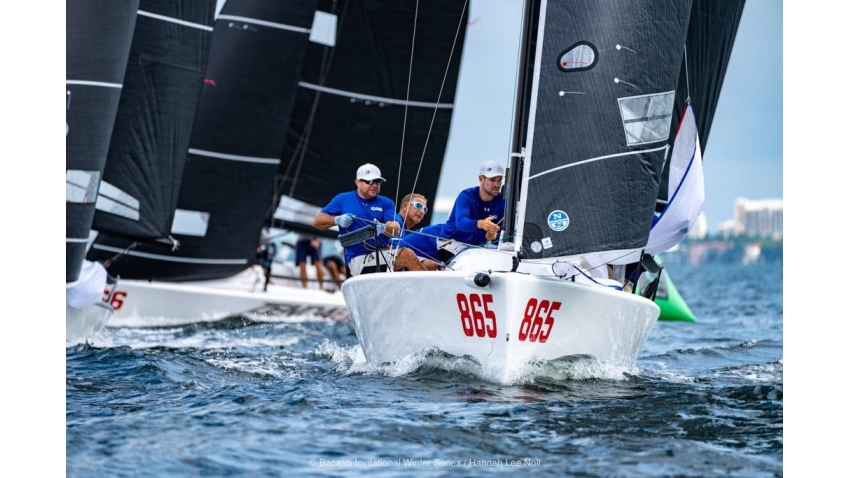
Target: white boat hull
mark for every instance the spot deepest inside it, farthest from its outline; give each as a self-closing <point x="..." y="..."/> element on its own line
<point x="139" y="302"/>
<point x="516" y="319"/>
<point x="82" y="324"/>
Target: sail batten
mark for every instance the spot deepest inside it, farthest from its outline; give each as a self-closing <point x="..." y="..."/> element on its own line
<point x="379" y="99"/>
<point x="257" y="21"/>
<point x="233" y="157"/>
<point x="590" y="160"/>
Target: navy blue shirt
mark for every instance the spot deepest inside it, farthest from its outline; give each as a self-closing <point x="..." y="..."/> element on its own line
<point x="469" y="208"/>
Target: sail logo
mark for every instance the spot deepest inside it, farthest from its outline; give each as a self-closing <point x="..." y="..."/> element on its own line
<point x="558" y="220"/>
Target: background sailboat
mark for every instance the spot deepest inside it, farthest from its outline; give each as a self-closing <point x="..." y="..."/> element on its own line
<point x="287" y="81"/>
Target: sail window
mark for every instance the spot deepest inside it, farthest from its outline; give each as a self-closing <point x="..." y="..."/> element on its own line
<point x="646" y="118"/>
<point x="190" y="223"/>
<point x="579" y="57"/>
<point x="81" y="186"/>
<point x="323" y="30"/>
<point x="115" y="201"/>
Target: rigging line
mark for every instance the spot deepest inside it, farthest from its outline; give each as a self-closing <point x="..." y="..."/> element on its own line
<point x="439" y="95"/>
<point x="687" y="81"/>
<point x="121" y="254"/>
<point x="406" y="102"/>
<point x="301" y="148"/>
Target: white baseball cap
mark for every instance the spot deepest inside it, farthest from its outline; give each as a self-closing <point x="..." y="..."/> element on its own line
<point x="369" y="172"/>
<point x="491" y="169"/>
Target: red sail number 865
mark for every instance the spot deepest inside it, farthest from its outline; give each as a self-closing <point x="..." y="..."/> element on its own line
<point x="533" y="327"/>
<point x="474" y="320"/>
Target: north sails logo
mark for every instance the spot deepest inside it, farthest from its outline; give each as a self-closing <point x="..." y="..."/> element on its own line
<point x="558" y="221"/>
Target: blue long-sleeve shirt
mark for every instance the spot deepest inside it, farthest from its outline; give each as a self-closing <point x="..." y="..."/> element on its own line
<point x="469" y="208"/>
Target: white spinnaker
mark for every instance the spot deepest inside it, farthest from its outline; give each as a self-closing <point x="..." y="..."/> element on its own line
<point x="686" y="190"/>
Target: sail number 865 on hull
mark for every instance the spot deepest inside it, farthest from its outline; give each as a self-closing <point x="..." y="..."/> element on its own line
<point x="476" y="318"/>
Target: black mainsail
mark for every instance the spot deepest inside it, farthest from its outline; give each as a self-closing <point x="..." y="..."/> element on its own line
<point x="602" y="101"/>
<point x="98" y="35"/>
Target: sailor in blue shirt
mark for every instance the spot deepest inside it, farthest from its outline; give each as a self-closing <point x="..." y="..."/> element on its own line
<point x="360" y="208"/>
<point x="474" y="220"/>
<point x="413" y="208"/>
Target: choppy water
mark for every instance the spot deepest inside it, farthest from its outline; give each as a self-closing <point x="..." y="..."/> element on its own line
<point x="243" y="397"/>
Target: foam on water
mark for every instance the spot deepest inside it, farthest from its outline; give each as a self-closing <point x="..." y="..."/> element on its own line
<point x="351" y="360"/>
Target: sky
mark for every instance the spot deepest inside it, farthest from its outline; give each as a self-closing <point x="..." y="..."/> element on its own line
<point x="743" y="157"/>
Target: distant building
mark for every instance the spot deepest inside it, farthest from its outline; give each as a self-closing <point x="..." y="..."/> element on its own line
<point x="727" y="228"/>
<point x="758" y="218"/>
<point x="707" y="252"/>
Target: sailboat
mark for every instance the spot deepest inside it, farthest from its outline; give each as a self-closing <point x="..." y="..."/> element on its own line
<point x="596" y="98"/>
<point x="292" y="93"/>
<point x="97" y="47"/>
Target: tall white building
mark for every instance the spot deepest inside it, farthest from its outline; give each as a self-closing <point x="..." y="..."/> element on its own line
<point x="759" y="218"/>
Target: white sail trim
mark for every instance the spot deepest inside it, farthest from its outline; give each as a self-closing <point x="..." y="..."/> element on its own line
<point x="378" y="99"/>
<point x="598" y="158"/>
<point x="81" y="186"/>
<point x="94" y="83"/>
<point x="234" y="157"/>
<point x="159" y="257"/>
<point x="254" y="21"/>
<point x="686" y="189"/>
<point x="190" y="223"/>
<point x="115" y="201"/>
<point x="174" y="20"/>
<point x="529" y="141"/>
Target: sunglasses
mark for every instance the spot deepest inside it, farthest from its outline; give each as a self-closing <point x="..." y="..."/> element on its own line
<point x="419" y="206"/>
<point x="372" y="182"/>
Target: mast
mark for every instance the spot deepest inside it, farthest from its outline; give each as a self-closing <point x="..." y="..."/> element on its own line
<point x="512" y="186"/>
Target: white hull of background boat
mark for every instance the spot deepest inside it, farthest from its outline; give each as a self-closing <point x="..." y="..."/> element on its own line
<point x="516" y="319"/>
<point x="149" y="302"/>
<point x="82" y="324"/>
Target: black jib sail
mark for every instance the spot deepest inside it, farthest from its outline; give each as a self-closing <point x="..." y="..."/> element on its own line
<point x="98" y="35"/>
<point x="602" y="101"/>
